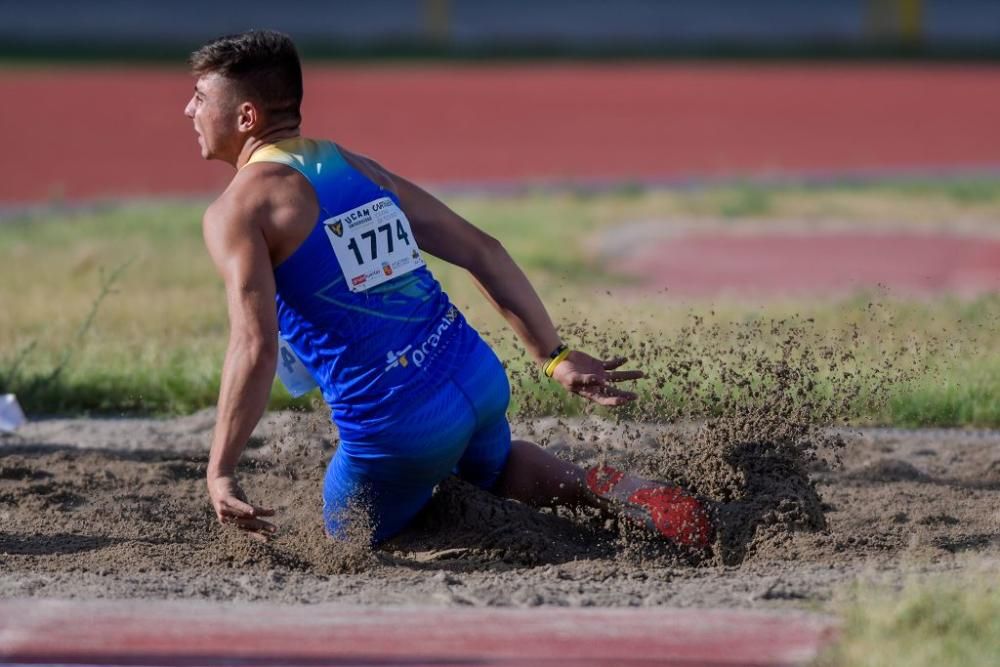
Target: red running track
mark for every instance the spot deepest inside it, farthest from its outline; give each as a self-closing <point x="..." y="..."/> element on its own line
<point x="144" y="632"/>
<point x="831" y="264"/>
<point x="77" y="132"/>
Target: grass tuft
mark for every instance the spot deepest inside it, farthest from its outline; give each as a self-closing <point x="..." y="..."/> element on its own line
<point x="936" y="624"/>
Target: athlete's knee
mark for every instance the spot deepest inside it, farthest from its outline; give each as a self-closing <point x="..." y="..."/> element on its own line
<point x="526" y="459"/>
<point x="538" y="477"/>
<point x="345" y="515"/>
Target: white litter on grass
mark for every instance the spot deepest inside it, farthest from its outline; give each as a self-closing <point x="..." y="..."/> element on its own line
<point x="11" y="415"/>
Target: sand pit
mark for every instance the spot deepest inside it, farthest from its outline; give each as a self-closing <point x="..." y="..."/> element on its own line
<point x="95" y="508"/>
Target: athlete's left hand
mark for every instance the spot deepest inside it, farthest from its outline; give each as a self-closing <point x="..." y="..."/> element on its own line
<point x="591" y="378"/>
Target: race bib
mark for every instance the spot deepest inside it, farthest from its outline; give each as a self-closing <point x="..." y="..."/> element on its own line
<point x="292" y="372"/>
<point x="373" y="244"/>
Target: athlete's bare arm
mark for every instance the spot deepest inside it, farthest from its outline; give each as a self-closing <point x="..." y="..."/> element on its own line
<point x="446" y="235"/>
<point x="235" y="239"/>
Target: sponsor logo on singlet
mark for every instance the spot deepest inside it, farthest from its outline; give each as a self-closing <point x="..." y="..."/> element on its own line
<point x="418" y="354"/>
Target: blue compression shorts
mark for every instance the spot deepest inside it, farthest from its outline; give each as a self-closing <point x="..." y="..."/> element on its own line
<point x="460" y="427"/>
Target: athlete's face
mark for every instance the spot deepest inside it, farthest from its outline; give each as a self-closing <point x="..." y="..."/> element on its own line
<point x="215" y="113"/>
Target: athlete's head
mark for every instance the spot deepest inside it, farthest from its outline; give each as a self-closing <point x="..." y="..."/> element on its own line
<point x="247" y="84"/>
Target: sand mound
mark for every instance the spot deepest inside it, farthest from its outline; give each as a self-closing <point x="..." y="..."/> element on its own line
<point x="119" y="507"/>
<point x="101" y="521"/>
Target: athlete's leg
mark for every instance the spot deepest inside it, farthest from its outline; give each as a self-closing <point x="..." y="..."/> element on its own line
<point x="351" y="494"/>
<point x="519" y="470"/>
<point x="391" y="467"/>
<point x="486" y="390"/>
<point x="526" y="472"/>
<point x="534" y="476"/>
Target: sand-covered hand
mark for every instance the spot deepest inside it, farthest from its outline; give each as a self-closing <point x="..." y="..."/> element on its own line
<point x="231" y="507"/>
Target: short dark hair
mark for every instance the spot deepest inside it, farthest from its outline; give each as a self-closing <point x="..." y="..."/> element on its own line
<point x="263" y="63"/>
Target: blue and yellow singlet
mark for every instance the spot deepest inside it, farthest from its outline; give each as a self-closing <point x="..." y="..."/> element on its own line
<point x="416" y="394"/>
<point x="371" y="347"/>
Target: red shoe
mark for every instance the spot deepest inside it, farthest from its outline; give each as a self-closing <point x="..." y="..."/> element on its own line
<point x="668" y="510"/>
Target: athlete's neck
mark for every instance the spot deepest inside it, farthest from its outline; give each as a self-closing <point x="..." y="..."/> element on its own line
<point x="271" y="136"/>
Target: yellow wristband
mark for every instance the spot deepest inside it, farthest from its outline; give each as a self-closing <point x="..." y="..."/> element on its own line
<point x="550" y="367"/>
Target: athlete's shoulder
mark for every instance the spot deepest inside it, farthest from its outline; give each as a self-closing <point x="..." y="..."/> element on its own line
<point x="247" y="199"/>
<point x="243" y="194"/>
<point x="369" y="168"/>
<point x="303" y="154"/>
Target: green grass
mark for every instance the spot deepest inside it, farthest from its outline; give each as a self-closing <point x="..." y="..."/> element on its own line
<point x="747" y="202"/>
<point x="157" y="341"/>
<point x="967" y="394"/>
<point x="940" y="623"/>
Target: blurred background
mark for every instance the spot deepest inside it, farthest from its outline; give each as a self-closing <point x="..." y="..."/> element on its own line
<point x="464" y="93"/>
<point x="454" y="92"/>
<point x="572" y="27"/>
<point x="645" y="161"/>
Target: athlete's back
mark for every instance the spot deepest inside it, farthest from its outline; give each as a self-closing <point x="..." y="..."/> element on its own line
<point x="355" y="300"/>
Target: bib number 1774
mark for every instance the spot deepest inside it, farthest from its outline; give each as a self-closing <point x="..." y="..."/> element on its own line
<point x="373" y="244"/>
<point x="372" y="236"/>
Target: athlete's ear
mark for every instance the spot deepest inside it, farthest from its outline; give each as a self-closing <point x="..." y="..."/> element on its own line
<point x="247" y="117"/>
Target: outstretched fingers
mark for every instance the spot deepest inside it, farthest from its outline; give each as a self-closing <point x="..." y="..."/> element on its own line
<point x="591" y="378"/>
<point x="247" y="517"/>
<point x="256" y="526"/>
<point x="613" y="363"/>
<point x="622" y="376"/>
<point x="601" y="379"/>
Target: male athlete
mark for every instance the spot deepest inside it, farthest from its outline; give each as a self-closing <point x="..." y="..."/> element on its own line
<point x="326" y="247"/>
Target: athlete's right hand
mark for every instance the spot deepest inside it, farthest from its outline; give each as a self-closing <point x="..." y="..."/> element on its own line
<point x="231" y="507"/>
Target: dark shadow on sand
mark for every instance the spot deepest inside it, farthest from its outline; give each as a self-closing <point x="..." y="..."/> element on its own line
<point x="464" y="528"/>
<point x="776" y="492"/>
<point x="55" y="544"/>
